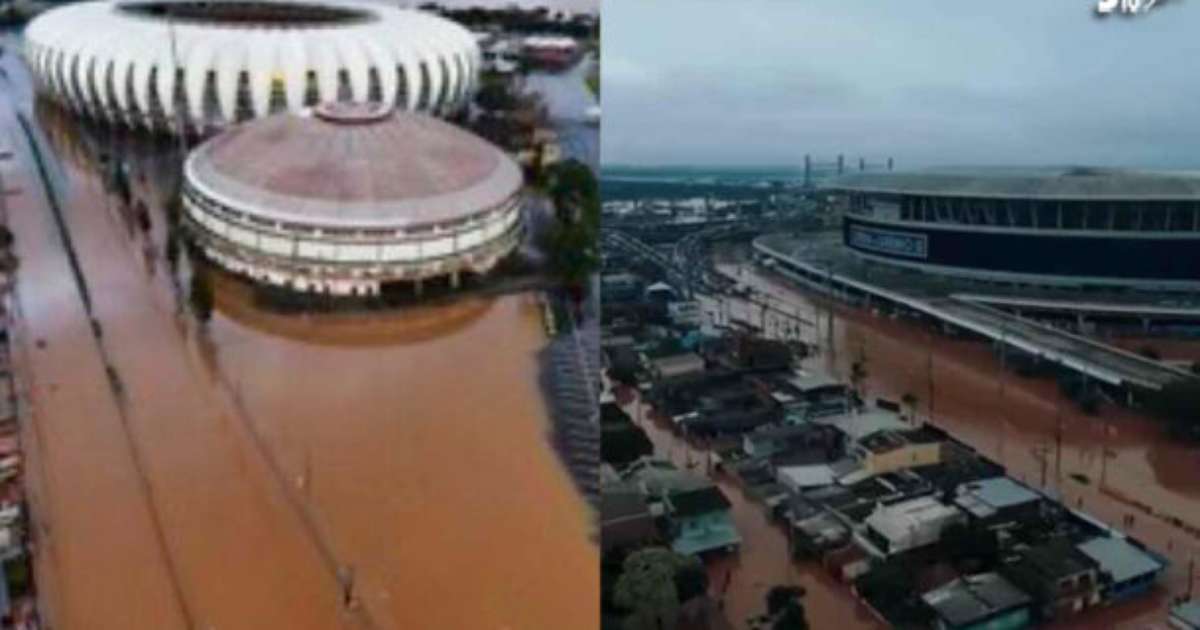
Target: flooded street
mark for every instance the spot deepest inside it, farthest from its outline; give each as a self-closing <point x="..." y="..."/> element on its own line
<point x="763" y="559"/>
<point x="239" y="476"/>
<point x="1013" y="420"/>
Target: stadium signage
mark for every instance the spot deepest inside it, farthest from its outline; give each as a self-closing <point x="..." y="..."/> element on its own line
<point x="891" y="242"/>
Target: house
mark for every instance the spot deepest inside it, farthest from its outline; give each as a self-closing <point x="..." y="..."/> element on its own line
<point x="891" y="450"/>
<point x="550" y="51"/>
<point x="620" y="287"/>
<point x="857" y="426"/>
<point x="757" y="353"/>
<point x="998" y="501"/>
<point x="1185" y="616"/>
<point x="625" y="519"/>
<point x="699" y="512"/>
<point x="675" y="365"/>
<point x="908" y="525"/>
<point x="1126" y="568"/>
<point x="1061" y="580"/>
<point x="770" y="440"/>
<point x="685" y="313"/>
<point x="818" y="534"/>
<point x="702" y="521"/>
<point x="979" y="602"/>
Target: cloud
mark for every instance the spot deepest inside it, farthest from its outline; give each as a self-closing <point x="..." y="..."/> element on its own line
<point x="758" y="81"/>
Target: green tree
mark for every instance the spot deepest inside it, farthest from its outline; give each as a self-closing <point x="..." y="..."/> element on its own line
<point x="784" y="608"/>
<point x="574" y="249"/>
<point x="575" y="192"/>
<point x="201" y="295"/>
<point x="495" y="96"/>
<point x="648" y="589"/>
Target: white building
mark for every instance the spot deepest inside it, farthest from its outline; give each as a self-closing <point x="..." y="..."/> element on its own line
<point x="207" y="63"/>
<point x="348" y="198"/>
<point x="907" y="525"/>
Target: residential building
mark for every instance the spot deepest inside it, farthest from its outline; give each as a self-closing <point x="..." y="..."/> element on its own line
<point x="890" y="450"/>
<point x="1126" y="568"/>
<point x="908" y="525"/>
<point x="676" y="365"/>
<point x="1061" y="579"/>
<point x="1185" y="616"/>
<point x="625" y="519"/>
<point x="702" y="521"/>
<point x="998" y="501"/>
<point x="979" y="602"/>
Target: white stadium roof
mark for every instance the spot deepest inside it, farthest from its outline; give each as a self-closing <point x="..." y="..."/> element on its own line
<point x="106" y="58"/>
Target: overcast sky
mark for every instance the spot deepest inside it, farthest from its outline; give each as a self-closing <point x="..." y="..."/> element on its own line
<point x="930" y="82"/>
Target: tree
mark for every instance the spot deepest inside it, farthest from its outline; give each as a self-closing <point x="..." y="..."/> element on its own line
<point x="648" y="587"/>
<point x="784" y="608"/>
<point x="574" y="251"/>
<point x="495" y="96"/>
<point x="201" y="295"/>
<point x="575" y="192"/>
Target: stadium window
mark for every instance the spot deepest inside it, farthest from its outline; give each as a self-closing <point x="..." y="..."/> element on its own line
<point x="278" y="98"/>
<point x="243" y="106"/>
<point x="210" y="102"/>
<point x="401" y="87"/>
<point x="344" y="92"/>
<point x="312" y="91"/>
<point x="374" y="89"/>
<point x="423" y="96"/>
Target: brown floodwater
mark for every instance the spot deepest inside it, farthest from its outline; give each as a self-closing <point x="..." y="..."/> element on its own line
<point x="1016" y="421"/>
<point x="253" y="463"/>
<point x="763" y="560"/>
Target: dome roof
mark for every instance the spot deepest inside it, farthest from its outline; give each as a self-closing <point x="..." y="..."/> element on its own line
<point x="354" y="165"/>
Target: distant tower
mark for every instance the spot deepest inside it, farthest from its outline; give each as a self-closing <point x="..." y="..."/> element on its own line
<point x="862" y="164"/>
<point x="841" y="163"/>
<point x="807" y="170"/>
<point x="889" y="164"/>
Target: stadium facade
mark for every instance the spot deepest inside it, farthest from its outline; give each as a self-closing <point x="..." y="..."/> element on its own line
<point x="197" y="65"/>
<point x="1071" y="226"/>
<point x="346" y="199"/>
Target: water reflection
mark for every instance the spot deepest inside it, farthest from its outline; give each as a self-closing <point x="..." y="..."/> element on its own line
<point x="413" y="442"/>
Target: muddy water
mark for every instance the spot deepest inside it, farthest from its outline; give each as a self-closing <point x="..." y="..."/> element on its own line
<point x="1016" y="421"/>
<point x="408" y="450"/>
<point x="763" y="559"/>
<point x="426" y="459"/>
<point x="98" y="559"/>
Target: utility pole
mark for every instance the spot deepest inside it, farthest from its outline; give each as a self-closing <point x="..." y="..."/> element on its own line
<point x="929" y="374"/>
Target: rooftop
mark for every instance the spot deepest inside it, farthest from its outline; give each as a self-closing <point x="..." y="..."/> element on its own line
<point x="345" y="167"/>
<point x="974" y="598"/>
<point x="699" y="501"/>
<point x="986" y="497"/>
<point x="1119" y="558"/>
<point x="1059" y="183"/>
<point x="899" y="519"/>
<point x="859" y="425"/>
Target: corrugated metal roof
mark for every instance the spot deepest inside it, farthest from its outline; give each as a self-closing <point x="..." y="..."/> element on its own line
<point x="1064" y="183"/>
<point x="1119" y="558"/>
